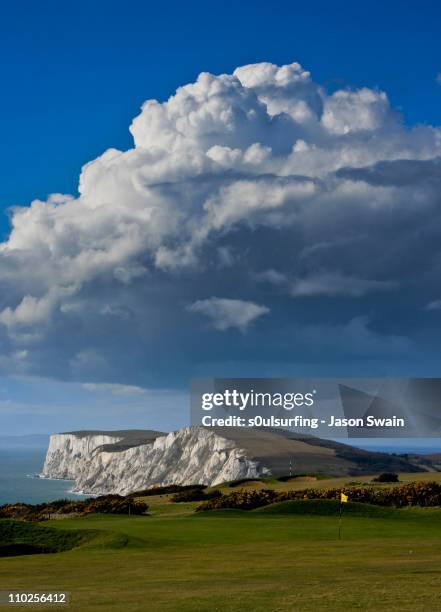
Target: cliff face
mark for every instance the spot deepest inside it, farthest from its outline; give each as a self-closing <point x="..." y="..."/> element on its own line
<point x="67" y="453"/>
<point x="187" y="456"/>
<point x="127" y="461"/>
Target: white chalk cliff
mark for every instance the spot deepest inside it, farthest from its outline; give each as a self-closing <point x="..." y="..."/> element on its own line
<point x="69" y="452"/>
<point x="191" y="455"/>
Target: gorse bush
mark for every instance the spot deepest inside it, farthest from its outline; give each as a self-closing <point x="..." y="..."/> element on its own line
<point x="107" y="504"/>
<point x="115" y="504"/>
<point x="194" y="495"/>
<point x="20" y="511"/>
<point x="413" y="494"/>
<point x="242" y="500"/>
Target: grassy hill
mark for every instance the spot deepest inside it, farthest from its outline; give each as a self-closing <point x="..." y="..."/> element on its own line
<point x="19" y="537"/>
<point x="278" y="448"/>
<point x="245" y="563"/>
<point x="281" y="558"/>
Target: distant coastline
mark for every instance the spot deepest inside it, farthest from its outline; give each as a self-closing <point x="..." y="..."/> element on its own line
<point x="22" y="459"/>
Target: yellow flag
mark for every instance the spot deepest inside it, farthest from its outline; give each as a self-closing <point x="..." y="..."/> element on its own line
<point x="343" y="498"/>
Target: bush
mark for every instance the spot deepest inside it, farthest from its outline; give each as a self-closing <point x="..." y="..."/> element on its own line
<point x="115" y="504"/>
<point x="107" y="504"/>
<point x="412" y="494"/>
<point x="195" y="495"/>
<point x="241" y="500"/>
<point x="16" y="510"/>
<point x="386" y="477"/>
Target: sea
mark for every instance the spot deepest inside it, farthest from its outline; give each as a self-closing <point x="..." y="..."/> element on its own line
<point x="19" y="482"/>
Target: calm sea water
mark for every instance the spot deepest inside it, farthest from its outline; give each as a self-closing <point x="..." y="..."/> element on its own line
<point x="18" y="467"/>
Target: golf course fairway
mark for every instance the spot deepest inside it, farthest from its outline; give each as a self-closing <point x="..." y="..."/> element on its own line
<point x="273" y="559"/>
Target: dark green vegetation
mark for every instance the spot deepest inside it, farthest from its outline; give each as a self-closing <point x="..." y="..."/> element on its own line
<point x="192" y="495"/>
<point x="326" y="507"/>
<point x="412" y="494"/>
<point x="21" y="538"/>
<point x="386" y="477"/>
<point x="278" y="558"/>
<point x="106" y="504"/>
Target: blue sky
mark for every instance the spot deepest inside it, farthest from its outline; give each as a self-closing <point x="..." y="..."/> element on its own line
<point x="274" y="223"/>
<point x="74" y="74"/>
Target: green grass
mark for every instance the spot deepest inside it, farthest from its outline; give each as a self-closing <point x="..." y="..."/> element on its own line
<point x="327" y="507"/>
<point x="43" y="538"/>
<point x="281" y="558"/>
<point x="18" y="535"/>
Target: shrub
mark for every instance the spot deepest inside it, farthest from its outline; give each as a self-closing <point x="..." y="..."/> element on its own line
<point x="16" y="510"/>
<point x="108" y="504"/>
<point x="115" y="504"/>
<point x="195" y="495"/>
<point x="412" y="494"/>
<point x="386" y="477"/>
<point x="241" y="500"/>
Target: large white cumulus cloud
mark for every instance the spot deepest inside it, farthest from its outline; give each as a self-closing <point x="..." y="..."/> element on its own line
<point x="258" y="187"/>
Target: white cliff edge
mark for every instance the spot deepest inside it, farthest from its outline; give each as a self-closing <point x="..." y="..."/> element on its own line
<point x="192" y="455"/>
<point x="68" y="452"/>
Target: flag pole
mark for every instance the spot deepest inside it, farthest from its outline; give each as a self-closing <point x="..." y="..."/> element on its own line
<point x="343" y="500"/>
<point x="339" y="519"/>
